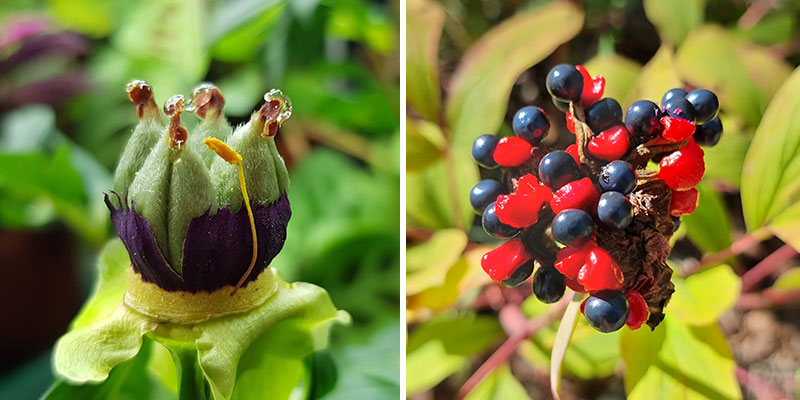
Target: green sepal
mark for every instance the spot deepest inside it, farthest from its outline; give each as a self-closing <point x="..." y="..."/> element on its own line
<point x="171" y="189"/>
<point x="145" y="136"/>
<point x="248" y="355"/>
<point x="264" y="170"/>
<point x="213" y="126"/>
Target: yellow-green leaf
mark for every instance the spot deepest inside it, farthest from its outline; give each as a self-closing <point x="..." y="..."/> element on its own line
<point x="427" y="263"/>
<point x="482" y="83"/>
<point x="789" y="280"/>
<point x="425" y="20"/>
<point x="709" y="227"/>
<point x="620" y="73"/>
<point x="677" y="361"/>
<point x="499" y="385"/>
<point x="674" y="19"/>
<point x="425" y="144"/>
<point x="744" y="75"/>
<point x="701" y="298"/>
<point x="771" y="172"/>
<point x="724" y="161"/>
<point x="657" y="76"/>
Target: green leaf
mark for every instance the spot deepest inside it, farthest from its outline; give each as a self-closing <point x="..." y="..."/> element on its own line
<point x="163" y="44"/>
<point x="425" y="144"/>
<point x="709" y="227"/>
<point x="499" y="385"/>
<point x="674" y="19"/>
<point x="87" y="354"/>
<point x="425" y="20"/>
<point x="438" y="196"/>
<point x="703" y="297"/>
<point x="677" y="361"/>
<point x="238" y="29"/>
<point x="590" y="355"/>
<point x="771" y="172"/>
<point x="788" y="281"/>
<point x="481" y="84"/>
<point x="620" y="73"/>
<point x="427" y="263"/>
<point x="369" y="370"/>
<point x="92" y="17"/>
<point x="776" y="28"/>
<point x="110" y="285"/>
<point x="656" y="77"/>
<point x="724" y="161"/>
<point x="222" y="342"/>
<point x="744" y="76"/>
<point x="443" y="346"/>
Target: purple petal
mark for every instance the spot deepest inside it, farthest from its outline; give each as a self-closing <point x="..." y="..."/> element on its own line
<point x="218" y="248"/>
<point x="138" y="238"/>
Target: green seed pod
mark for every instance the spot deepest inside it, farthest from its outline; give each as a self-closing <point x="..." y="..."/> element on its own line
<point x="150" y="128"/>
<point x="264" y="170"/>
<point x="173" y="187"/>
<point x="207" y="103"/>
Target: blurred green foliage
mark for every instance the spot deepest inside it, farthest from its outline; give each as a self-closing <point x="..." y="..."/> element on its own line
<point x="338" y="60"/>
<point x="472" y="64"/>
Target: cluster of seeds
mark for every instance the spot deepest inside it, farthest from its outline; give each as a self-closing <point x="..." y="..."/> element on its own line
<point x="591" y="216"/>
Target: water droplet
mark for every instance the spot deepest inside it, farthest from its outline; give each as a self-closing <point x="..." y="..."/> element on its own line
<point x="286" y="110"/>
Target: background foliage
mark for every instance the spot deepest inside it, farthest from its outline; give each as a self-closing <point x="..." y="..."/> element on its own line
<point x="472" y="64"/>
<point x="65" y="117"/>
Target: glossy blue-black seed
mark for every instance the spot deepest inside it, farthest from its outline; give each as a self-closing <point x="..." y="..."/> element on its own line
<point x="548" y="284"/>
<point x="705" y="104"/>
<point x="617" y="176"/>
<point x="672" y="94"/>
<point x="558" y="168"/>
<point x="565" y="83"/>
<point x="560" y="105"/>
<point x="483" y="193"/>
<point x="531" y="123"/>
<point x="572" y="227"/>
<point x="614" y="210"/>
<point x="493" y="226"/>
<point x="603" y="114"/>
<point x="676" y="221"/>
<point x="606" y="310"/>
<point x="483" y="150"/>
<point x="522" y="274"/>
<point x="709" y="133"/>
<point x="643" y="119"/>
<point x="680" y="108"/>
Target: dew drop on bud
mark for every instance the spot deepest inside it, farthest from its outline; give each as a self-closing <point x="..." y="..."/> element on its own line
<point x="286" y="108"/>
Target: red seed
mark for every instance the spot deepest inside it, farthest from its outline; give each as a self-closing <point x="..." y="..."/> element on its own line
<point x="676" y="129"/>
<point x="637" y="310"/>
<point x="512" y="151"/>
<point x="683" y="202"/>
<point x="600" y="272"/>
<point x="611" y="144"/>
<point x="501" y="262"/>
<point x="521" y="208"/>
<point x="684" y="168"/>
<point x="580" y="194"/>
<point x="570" y="259"/>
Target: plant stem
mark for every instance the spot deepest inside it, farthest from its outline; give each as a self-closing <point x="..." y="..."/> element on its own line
<point x="758" y="386"/>
<point x="192" y="383"/>
<point x="531" y="326"/>
<point x="741" y="245"/>
<point x="766" y="266"/>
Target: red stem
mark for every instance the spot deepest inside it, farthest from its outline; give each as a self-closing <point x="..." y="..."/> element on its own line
<point x="531" y="326"/>
<point x="741" y="245"/>
<point x="758" y="386"/>
<point x="767" y="266"/>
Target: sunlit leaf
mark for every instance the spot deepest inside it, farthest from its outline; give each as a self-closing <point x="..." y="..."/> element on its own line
<point x="656" y="77"/>
<point x="787" y="281"/>
<point x="499" y="385"/>
<point x="674" y="19"/>
<point x="709" y="227"/>
<point x="771" y="172"/>
<point x="677" y="361"/>
<point x="743" y="75"/>
<point x="443" y="346"/>
<point x="775" y="28"/>
<point x="438" y="196"/>
<point x="591" y="354"/>
<point x="701" y="298"/>
<point x="620" y="73"/>
<point x="437" y="254"/>
<point x="724" y="161"/>
<point x="425" y="20"/>
<point x="424" y="144"/>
